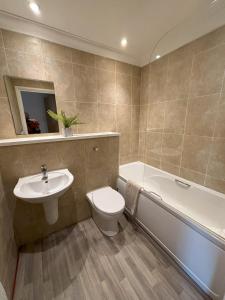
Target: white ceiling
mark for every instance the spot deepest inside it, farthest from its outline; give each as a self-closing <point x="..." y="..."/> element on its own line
<point x="98" y="25"/>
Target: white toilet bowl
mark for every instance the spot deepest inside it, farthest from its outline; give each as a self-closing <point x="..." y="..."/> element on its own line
<point x="107" y="208"/>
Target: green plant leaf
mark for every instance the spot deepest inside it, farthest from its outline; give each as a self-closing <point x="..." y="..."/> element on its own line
<point x="66" y="121"/>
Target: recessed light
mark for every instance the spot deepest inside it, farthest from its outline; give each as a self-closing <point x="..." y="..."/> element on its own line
<point x="35" y="8"/>
<point x="157" y="56"/>
<point x="123" y="42"/>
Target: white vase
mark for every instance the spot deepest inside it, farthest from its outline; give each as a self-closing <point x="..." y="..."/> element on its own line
<point x="67" y="131"/>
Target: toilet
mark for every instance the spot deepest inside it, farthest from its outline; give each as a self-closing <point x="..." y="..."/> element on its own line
<point x="107" y="208"/>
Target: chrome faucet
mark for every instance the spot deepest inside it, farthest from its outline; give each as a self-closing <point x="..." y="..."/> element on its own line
<point x="44" y="171"/>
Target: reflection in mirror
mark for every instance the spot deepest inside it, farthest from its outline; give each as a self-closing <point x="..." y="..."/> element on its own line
<point x="29" y="102"/>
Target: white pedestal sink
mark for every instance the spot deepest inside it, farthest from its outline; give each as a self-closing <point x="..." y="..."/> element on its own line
<point x="33" y="189"/>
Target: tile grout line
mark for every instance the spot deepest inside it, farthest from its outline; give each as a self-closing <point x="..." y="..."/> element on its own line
<point x="214" y="129"/>
<point x="164" y="115"/>
<point x="4" y="50"/>
<point x="180" y="99"/>
<point x="131" y="114"/>
<point x="186" y="113"/>
<point x="147" y="114"/>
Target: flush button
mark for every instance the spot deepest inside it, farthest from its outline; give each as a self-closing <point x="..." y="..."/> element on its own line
<point x="95" y="149"/>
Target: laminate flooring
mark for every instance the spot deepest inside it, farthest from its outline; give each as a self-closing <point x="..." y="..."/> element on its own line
<point x="80" y="263"/>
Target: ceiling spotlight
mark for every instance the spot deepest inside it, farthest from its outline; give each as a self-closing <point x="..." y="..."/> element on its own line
<point x="157" y="56"/>
<point x="123" y="42"/>
<point x="35" y="8"/>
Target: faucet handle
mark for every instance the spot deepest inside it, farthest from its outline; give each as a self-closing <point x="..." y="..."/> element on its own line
<point x="44" y="167"/>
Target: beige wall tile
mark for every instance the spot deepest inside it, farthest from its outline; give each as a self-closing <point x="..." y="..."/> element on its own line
<point x="192" y="176"/>
<point x="11" y="156"/>
<point x="144" y="96"/>
<point x="1" y="39"/>
<point x="142" y="140"/>
<point x="135" y="117"/>
<point x="125" y="144"/>
<point x="3" y="63"/>
<point x="156" y="116"/>
<point x="8" y="251"/>
<point x="170" y="168"/>
<point x="6" y="121"/>
<point x="128" y="159"/>
<point x="172" y="148"/>
<point x="56" y="51"/>
<point x="88" y="114"/>
<point x="2" y="89"/>
<point x="85" y="84"/>
<point x="65" y="90"/>
<point x="69" y="107"/>
<point x="106" y="87"/>
<point x="196" y="153"/>
<point x="136" y="72"/>
<point x="123" y="68"/>
<point x="158" y="76"/>
<point x="123" y="117"/>
<point x="22" y="42"/>
<point x="216" y="167"/>
<point x="211" y="40"/>
<point x="179" y="70"/>
<point x="143" y="117"/>
<point x="106" y="117"/>
<point x="136" y="84"/>
<point x="208" y="70"/>
<point x="153" y="162"/>
<point x="105" y="63"/>
<point x="134" y="142"/>
<point x="220" y="123"/>
<point x="123" y="89"/>
<point x="61" y="73"/>
<point x="201" y="115"/>
<point x="25" y="65"/>
<point x="83" y="58"/>
<point x="57" y="71"/>
<point x="175" y="112"/>
<point x="215" y="184"/>
<point x="154" y="145"/>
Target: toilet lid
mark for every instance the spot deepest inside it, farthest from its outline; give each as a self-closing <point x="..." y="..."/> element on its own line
<point x="108" y="200"/>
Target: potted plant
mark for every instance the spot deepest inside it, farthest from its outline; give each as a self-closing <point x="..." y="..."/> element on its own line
<point x="67" y="121"/>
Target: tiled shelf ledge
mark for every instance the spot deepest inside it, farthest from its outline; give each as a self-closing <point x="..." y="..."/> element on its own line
<point x="55" y="138"/>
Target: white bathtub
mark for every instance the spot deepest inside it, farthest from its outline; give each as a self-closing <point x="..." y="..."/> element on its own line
<point x="186" y="219"/>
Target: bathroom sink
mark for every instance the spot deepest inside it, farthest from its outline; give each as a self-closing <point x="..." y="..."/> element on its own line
<point x="34" y="189"/>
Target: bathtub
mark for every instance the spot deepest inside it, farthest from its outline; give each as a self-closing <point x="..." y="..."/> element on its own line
<point x="186" y="219"/>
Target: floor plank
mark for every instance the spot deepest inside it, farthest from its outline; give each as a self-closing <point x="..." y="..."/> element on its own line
<point x="81" y="263"/>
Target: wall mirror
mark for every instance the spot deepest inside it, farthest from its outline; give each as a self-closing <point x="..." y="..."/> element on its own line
<point x="29" y="101"/>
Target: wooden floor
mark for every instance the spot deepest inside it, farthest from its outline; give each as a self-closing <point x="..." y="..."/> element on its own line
<point x="80" y="263"/>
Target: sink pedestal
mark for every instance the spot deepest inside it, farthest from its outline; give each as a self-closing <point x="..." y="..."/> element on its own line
<point x="51" y="210"/>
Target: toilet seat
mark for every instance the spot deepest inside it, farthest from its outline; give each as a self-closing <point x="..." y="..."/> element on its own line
<point x="108" y="201"/>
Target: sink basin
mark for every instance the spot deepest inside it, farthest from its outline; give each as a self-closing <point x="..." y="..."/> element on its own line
<point x="33" y="189"/>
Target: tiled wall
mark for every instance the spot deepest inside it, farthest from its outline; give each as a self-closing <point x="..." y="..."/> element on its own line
<point x="8" y="249"/>
<point x="91" y="170"/>
<point x="182" y="112"/>
<point x="104" y="92"/>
